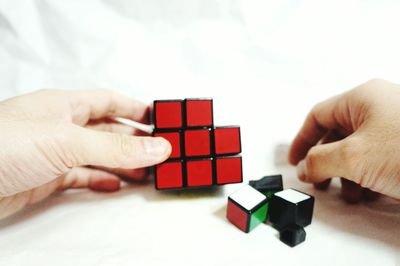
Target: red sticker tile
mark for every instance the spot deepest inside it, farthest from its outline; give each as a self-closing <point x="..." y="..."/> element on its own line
<point x="168" y="114"/>
<point x="229" y="170"/>
<point x="199" y="112"/>
<point x="199" y="172"/>
<point x="236" y="216"/>
<point x="227" y="140"/>
<point x="197" y="142"/>
<point x="169" y="175"/>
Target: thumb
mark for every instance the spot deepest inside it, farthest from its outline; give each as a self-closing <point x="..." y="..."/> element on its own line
<point x="325" y="161"/>
<point x="92" y="147"/>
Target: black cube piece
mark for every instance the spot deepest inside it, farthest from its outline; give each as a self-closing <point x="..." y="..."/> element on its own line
<point x="268" y="185"/>
<point x="292" y="235"/>
<point x="290" y="207"/>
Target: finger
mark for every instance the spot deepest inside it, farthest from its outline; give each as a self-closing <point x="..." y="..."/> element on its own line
<point x="97" y="104"/>
<point x="351" y="192"/>
<point x="324" y="185"/>
<point x="318" y="122"/>
<point x="128" y="175"/>
<point x="91" y="147"/>
<point x="94" y="179"/>
<point x="370" y="195"/>
<point x="322" y="162"/>
<point x="331" y="136"/>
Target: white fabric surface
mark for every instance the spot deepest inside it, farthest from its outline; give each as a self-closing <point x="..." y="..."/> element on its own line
<point x="265" y="63"/>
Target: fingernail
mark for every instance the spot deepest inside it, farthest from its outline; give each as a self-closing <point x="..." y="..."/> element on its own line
<point x="156" y="146"/>
<point x="301" y="170"/>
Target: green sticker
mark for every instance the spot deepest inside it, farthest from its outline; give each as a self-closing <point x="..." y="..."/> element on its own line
<point x="258" y="216"/>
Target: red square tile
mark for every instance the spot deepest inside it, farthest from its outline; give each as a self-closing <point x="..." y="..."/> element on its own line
<point x="168" y="114"/>
<point x="199" y="172"/>
<point x="229" y="170"/>
<point x="199" y="112"/>
<point x="197" y="142"/>
<point x="175" y="139"/>
<point x="227" y="140"/>
<point x="169" y="175"/>
<point x="236" y="215"/>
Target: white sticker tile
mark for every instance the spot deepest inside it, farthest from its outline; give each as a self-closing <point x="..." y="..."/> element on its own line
<point x="247" y="197"/>
<point x="292" y="195"/>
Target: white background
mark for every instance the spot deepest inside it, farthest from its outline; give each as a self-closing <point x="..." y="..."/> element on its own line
<point x="265" y="63"/>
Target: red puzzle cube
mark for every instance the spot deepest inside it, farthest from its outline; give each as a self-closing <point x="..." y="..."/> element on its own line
<point x="199" y="112"/>
<point x="197" y="142"/>
<point x="169" y="175"/>
<point x="199" y="151"/>
<point x="229" y="170"/>
<point x="175" y="139"/>
<point x="199" y="172"/>
<point x="227" y="140"/>
<point x="168" y="114"/>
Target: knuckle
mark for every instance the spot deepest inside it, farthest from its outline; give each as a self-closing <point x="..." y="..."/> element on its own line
<point x="44" y="91"/>
<point x="316" y="108"/>
<point x="112" y="103"/>
<point x="368" y="87"/>
<point x="375" y="82"/>
<point x="349" y="154"/>
<point x="42" y="94"/>
<point x="62" y="145"/>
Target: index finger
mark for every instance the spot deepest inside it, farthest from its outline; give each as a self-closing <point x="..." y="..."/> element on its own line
<point x="96" y="104"/>
<point x="319" y="121"/>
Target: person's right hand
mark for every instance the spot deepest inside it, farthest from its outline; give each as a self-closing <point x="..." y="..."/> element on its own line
<point x="356" y="136"/>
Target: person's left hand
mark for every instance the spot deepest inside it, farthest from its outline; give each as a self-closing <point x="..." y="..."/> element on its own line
<point x="53" y="140"/>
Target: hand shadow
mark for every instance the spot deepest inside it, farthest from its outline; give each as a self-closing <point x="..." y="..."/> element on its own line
<point x="80" y="196"/>
<point x="378" y="220"/>
<point x="67" y="197"/>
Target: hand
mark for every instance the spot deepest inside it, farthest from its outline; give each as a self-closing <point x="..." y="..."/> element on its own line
<point x="51" y="140"/>
<point x="356" y="136"/>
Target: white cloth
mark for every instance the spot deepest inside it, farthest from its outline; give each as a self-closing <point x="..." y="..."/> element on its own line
<point x="265" y="63"/>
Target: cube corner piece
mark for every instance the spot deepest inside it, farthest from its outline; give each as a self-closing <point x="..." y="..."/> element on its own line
<point x="247" y="208"/>
<point x="291" y="206"/>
